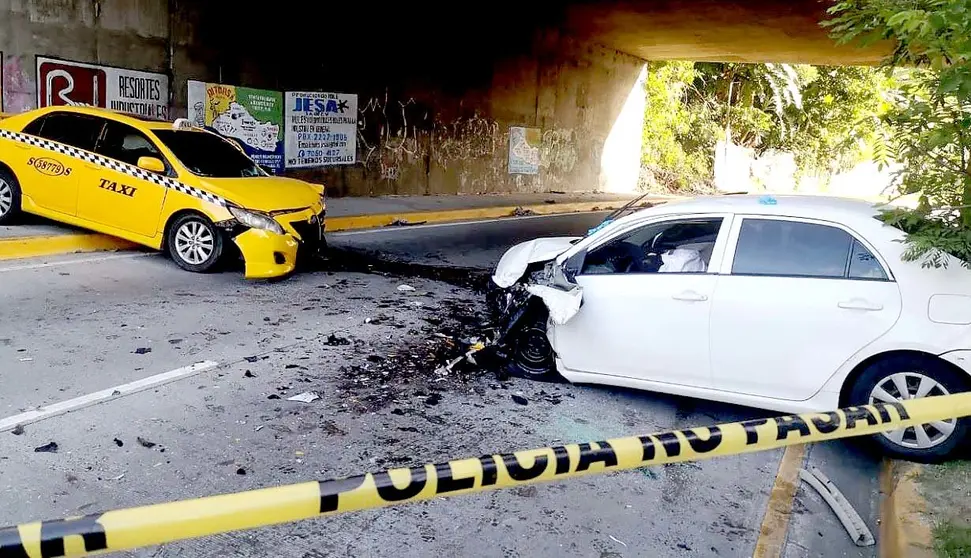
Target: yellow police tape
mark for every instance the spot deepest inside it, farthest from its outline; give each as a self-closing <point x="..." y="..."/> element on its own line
<point x="163" y="523"/>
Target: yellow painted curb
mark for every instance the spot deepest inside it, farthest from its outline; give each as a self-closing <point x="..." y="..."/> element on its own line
<point x="904" y="533"/>
<point x="335" y="224"/>
<point x="778" y="510"/>
<point x="72" y="243"/>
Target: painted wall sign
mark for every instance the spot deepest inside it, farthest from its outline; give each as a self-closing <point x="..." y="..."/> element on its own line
<point x="321" y="129"/>
<point x="252" y="117"/>
<point x="524" y="146"/>
<point x="62" y="82"/>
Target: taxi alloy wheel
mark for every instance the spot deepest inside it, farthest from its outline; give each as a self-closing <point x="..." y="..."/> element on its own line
<point x="9" y="197"/>
<point x="194" y="243"/>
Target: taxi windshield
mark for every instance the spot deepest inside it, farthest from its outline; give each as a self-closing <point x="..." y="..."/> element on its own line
<point x="208" y="155"/>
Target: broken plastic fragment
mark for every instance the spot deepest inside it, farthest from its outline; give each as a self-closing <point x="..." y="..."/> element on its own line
<point x="768" y="200"/>
<point x="305" y="397"/>
<point x="563" y="305"/>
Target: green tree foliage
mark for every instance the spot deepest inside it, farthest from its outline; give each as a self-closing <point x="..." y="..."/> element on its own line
<point x="931" y="116"/>
<point x="828" y="117"/>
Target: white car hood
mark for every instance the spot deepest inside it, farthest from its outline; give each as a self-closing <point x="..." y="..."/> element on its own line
<point x="515" y="261"/>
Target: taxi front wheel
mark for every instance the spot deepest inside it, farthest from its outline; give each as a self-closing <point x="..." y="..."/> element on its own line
<point x="9" y="197"/>
<point x="194" y="243"/>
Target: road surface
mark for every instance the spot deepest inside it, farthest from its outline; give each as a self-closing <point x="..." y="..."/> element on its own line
<point x="82" y="325"/>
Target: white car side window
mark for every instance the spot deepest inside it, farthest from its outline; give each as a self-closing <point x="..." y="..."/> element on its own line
<point x="777" y="247"/>
<point x="677" y="246"/>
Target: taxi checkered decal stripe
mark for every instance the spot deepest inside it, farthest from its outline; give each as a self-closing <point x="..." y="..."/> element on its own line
<point x="117" y="166"/>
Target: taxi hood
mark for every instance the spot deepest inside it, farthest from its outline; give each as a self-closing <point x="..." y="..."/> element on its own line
<point x="266" y="193"/>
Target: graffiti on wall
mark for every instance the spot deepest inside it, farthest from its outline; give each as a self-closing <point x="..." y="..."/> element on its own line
<point x="17" y="84"/>
<point x="392" y="135"/>
<point x="401" y="141"/>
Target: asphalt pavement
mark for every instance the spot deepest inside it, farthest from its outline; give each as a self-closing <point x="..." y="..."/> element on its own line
<point x="75" y="326"/>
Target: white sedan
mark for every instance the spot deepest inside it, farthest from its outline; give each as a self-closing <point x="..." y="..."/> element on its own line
<point x="788" y="303"/>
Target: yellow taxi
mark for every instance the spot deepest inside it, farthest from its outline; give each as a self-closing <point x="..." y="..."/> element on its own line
<point x="168" y="186"/>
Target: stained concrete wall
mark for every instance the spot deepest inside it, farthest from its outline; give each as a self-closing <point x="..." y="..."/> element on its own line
<point x="435" y="110"/>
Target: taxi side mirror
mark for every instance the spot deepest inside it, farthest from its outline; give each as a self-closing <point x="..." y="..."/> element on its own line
<point x="151" y="164"/>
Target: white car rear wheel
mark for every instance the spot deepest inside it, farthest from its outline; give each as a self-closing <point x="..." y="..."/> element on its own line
<point x="906" y="377"/>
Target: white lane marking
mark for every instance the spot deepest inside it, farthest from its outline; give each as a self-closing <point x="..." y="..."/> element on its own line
<point x="459" y="223"/>
<point x="74" y="261"/>
<point x="111" y="393"/>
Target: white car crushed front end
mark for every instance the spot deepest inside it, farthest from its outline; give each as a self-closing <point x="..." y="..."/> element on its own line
<point x="561" y="295"/>
<point x="517" y="259"/>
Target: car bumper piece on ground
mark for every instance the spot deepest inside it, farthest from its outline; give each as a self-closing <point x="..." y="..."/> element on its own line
<point x="267" y="254"/>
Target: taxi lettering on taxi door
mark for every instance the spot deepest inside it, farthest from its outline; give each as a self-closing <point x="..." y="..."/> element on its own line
<point x="113" y="186"/>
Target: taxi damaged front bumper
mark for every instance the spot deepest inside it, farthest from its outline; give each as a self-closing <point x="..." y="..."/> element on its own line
<point x="267" y="254"/>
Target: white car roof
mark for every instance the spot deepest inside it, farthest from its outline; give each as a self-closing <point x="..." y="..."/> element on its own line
<point x="827" y="208"/>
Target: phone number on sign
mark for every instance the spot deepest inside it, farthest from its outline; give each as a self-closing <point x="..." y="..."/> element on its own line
<point x="311" y="153"/>
<point x="310" y="136"/>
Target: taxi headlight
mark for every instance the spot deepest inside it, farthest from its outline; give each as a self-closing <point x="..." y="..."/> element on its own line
<point x="255" y="220"/>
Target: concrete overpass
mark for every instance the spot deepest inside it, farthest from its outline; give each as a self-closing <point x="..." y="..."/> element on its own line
<point x="438" y="91"/>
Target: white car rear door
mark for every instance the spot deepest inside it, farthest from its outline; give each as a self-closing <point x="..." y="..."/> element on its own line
<point x="797" y="298"/>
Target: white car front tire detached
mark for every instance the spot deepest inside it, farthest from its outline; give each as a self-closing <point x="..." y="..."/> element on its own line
<point x="194" y="243"/>
<point x="903" y="377"/>
<point x="10" y="199"/>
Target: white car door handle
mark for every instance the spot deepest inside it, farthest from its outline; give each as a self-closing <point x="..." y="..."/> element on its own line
<point x="860" y="304"/>
<point x="690" y="296"/>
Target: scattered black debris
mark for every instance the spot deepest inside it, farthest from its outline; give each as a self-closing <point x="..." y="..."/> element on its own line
<point x="376" y="358"/>
<point x="115" y="393"/>
<point x="549" y="201"/>
<point x="119" y="443"/>
<point x="143" y="350"/>
<point x="399" y="412"/>
<point x="408" y="429"/>
<point x="266" y="319"/>
<point x="175" y="341"/>
<point x="404" y="223"/>
<point x="252" y="359"/>
<point x="520" y="399"/>
<point x="332" y="428"/>
<point x="241" y="471"/>
<point x="248" y="374"/>
<point x="47" y="448"/>
<point x="433" y="399"/>
<point x="335" y="341"/>
<point x="17" y="430"/>
<point x="273" y="396"/>
<point x="293" y="366"/>
<point x="145" y="443"/>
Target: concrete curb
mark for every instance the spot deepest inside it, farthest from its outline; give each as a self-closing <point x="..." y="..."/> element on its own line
<point x="77" y="242"/>
<point x="72" y="243"/>
<point x="904" y="533"/>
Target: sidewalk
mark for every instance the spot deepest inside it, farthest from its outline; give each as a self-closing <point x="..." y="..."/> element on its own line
<point x="39" y="237"/>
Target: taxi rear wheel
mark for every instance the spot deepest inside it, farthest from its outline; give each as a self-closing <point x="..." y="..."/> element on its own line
<point x="9" y="197"/>
<point x="194" y="243"/>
